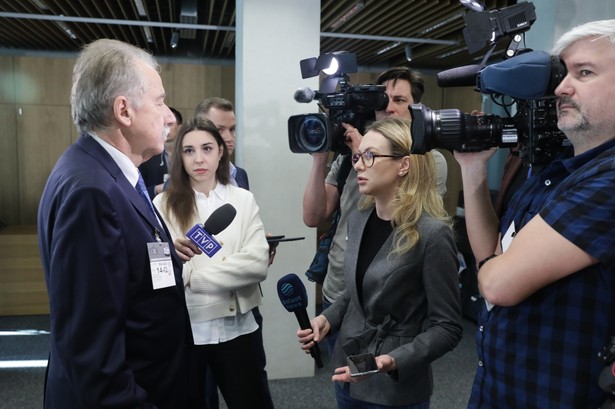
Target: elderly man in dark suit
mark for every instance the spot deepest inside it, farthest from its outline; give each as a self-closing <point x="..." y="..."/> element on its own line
<point x="119" y="324"/>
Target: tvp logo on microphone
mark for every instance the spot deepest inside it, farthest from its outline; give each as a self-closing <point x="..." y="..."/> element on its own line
<point x="204" y="241"/>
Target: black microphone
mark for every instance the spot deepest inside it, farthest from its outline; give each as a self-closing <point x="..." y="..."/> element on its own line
<point x="294" y="298"/>
<point x="305" y="95"/>
<point x="459" y="77"/>
<point x="220" y="219"/>
<point x="215" y="223"/>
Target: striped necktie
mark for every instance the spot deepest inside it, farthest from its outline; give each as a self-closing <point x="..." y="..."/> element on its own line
<point x="145" y="196"/>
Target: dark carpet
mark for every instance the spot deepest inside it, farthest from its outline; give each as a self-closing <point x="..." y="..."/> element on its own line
<point x="23" y="388"/>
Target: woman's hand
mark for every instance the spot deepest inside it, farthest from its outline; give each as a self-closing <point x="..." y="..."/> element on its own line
<point x="309" y="337"/>
<point x="385" y="363"/>
<point x="186" y="249"/>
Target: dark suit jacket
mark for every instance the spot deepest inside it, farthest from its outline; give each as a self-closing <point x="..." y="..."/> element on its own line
<point x="411" y="311"/>
<point x="153" y="171"/>
<point x="115" y="341"/>
<point x="241" y="177"/>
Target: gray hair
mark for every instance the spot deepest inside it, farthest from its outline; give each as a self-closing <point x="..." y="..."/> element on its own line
<point x="104" y="70"/>
<point x="602" y="28"/>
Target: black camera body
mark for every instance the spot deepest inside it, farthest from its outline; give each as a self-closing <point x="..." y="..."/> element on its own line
<point x="532" y="130"/>
<point x="530" y="80"/>
<point x="323" y="132"/>
<point x="527" y="77"/>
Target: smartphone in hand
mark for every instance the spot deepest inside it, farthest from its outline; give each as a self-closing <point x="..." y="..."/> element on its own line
<point x="362" y="364"/>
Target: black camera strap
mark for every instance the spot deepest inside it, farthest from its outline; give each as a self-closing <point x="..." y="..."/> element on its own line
<point x="343" y="173"/>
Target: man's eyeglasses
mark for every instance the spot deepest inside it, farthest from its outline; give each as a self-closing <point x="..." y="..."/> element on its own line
<point x="368" y="158"/>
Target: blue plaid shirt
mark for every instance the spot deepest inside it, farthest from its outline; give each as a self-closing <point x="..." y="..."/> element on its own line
<point x="542" y="353"/>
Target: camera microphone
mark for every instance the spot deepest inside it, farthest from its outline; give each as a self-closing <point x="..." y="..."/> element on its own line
<point x="215" y="223"/>
<point x="459" y="77"/>
<point x="305" y="95"/>
<point x="293" y="297"/>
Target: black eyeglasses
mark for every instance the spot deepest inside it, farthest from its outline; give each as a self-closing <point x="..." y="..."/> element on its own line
<point x="368" y="158"/>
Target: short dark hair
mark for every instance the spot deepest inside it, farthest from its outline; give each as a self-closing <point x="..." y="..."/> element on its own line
<point x="178" y="117"/>
<point x="417" y="83"/>
<point x="215" y="102"/>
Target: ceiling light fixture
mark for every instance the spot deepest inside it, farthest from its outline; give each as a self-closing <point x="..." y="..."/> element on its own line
<point x="66" y="30"/>
<point x="388" y="48"/>
<point x="140" y="8"/>
<point x="408" y="51"/>
<point x="348" y="14"/>
<point x="148" y="34"/>
<point x="441" y="23"/>
<point x="174" y="39"/>
<point x="40" y="4"/>
<point x="474" y="5"/>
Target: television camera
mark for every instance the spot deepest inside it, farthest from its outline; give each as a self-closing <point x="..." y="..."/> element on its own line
<point x="527" y="77"/>
<point x="352" y="104"/>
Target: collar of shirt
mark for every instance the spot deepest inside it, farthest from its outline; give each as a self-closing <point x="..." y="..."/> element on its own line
<point x="125" y="164"/>
<point x="207" y="204"/>
<point x="575" y="162"/>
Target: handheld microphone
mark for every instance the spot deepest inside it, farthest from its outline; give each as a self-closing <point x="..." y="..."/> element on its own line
<point x="458" y="77"/>
<point x="215" y="223"/>
<point x="305" y="95"/>
<point x="294" y="298"/>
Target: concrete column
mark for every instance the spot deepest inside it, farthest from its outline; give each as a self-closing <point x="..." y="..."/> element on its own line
<point x="272" y="36"/>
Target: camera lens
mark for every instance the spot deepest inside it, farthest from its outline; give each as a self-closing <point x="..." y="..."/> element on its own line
<point x="312" y="134"/>
<point x="309" y="133"/>
<point x="454" y="130"/>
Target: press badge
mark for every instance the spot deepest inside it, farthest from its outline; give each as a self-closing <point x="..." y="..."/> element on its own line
<point x="161" y="265"/>
<point x="506" y="240"/>
<point x="508" y="236"/>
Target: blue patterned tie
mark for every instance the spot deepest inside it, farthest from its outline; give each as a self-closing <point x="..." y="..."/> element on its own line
<point x="144" y="195"/>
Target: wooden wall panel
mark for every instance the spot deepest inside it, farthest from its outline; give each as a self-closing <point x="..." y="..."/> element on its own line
<point x="433" y="94"/>
<point x="192" y="83"/>
<point x="44" y="133"/>
<point x="7" y="80"/>
<point x="22" y="289"/>
<point x="45" y="81"/>
<point x="462" y="98"/>
<point x="227" y="76"/>
<point x="9" y="169"/>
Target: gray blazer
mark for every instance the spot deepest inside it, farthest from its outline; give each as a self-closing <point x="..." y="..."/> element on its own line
<point x="411" y="311"/>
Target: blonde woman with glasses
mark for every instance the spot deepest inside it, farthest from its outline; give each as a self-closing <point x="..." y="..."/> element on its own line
<point x="401" y="302"/>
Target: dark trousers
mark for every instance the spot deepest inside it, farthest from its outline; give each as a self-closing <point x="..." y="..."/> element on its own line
<point x="238" y="369"/>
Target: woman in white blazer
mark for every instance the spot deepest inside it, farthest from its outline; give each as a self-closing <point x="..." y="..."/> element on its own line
<point x="221" y="289"/>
